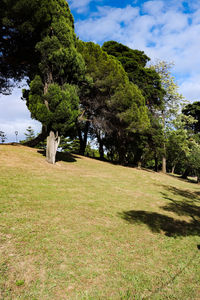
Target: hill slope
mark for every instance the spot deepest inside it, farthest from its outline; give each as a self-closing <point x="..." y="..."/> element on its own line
<point x="86" y="229"/>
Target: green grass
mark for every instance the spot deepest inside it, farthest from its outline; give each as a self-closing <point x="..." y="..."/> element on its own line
<point x="87" y="229"/>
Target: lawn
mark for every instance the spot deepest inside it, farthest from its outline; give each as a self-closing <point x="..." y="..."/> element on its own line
<point x="86" y="229"/>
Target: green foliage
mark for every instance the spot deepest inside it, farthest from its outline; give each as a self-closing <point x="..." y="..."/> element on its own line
<point x="29" y="134"/>
<point x="20" y="282"/>
<point x="194" y="111"/>
<point x="114" y="105"/>
<point x="57" y="109"/>
<point x="69" y="145"/>
<point x="134" y="63"/>
<point x="110" y="85"/>
<point x="172" y="99"/>
<point x="52" y="98"/>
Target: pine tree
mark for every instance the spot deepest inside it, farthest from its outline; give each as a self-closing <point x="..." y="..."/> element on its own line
<point x="3" y="136"/>
<point x="52" y="98"/>
<point x="30" y="135"/>
<point x="110" y="102"/>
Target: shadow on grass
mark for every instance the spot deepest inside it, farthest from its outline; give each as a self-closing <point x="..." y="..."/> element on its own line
<point x="188" y="206"/>
<point x="159" y="223"/>
<point x="61" y="156"/>
<point x="186" y="194"/>
<point x="179" y="177"/>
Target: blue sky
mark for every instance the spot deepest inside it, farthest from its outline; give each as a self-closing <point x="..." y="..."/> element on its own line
<point x="164" y="29"/>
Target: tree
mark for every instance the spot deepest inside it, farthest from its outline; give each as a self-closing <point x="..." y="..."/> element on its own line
<point x="3" y="136"/>
<point x="52" y="98"/>
<point x="38" y="41"/>
<point x="30" y="135"/>
<point x="134" y="63"/>
<point x="171" y="103"/>
<point x="194" y="111"/>
<point x="109" y="101"/>
<point x="177" y="144"/>
<point x="21" y="27"/>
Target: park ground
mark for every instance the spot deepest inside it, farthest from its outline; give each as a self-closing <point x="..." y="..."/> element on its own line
<point x="87" y="229"/>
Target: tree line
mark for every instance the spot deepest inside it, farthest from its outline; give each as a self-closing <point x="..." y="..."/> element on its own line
<point x="84" y="91"/>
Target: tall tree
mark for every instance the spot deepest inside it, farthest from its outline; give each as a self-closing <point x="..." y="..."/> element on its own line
<point x="38" y="42"/>
<point x="134" y="63"/>
<point x="109" y="100"/>
<point x="52" y="98"/>
<point x="171" y="103"/>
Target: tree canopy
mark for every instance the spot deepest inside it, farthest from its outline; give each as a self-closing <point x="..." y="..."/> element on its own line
<point x="134" y="63"/>
<point x="110" y="101"/>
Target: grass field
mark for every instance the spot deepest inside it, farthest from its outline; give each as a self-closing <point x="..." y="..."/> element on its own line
<point x="86" y="229"/>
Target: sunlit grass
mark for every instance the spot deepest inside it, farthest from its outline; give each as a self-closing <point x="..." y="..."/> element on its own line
<point x="87" y="229"/>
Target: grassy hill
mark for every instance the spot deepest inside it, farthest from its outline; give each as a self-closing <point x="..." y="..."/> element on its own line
<point x="86" y="229"/>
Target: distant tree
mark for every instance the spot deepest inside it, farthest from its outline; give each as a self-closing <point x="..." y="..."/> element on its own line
<point x="29" y="134"/>
<point x="3" y="136"/>
<point x="69" y="145"/>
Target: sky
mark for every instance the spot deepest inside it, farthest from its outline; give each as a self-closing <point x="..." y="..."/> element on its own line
<point x="166" y="30"/>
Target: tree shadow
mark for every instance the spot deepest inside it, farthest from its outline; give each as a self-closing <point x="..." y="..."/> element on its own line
<point x="62" y="156"/>
<point x="188" y="195"/>
<point x="159" y="223"/>
<point x="179" y="177"/>
<point x="183" y="208"/>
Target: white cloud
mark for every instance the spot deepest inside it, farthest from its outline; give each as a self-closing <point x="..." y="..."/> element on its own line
<point x="109" y="25"/>
<point x="191" y="88"/>
<point x="14" y="116"/>
<point x="81" y="6"/>
<point x="162" y="29"/>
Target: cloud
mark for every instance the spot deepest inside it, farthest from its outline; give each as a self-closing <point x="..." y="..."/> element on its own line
<point x="107" y="23"/>
<point x="81" y="6"/>
<point x="164" y="30"/>
<point x="14" y="116"/>
<point x="191" y="88"/>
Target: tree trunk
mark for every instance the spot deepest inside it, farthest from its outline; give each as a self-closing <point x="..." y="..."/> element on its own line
<point x="173" y="168"/>
<point x="164" y="164"/>
<point x="53" y="141"/>
<point x="186" y="173"/>
<point x="138" y="158"/>
<point x="40" y="138"/>
<point x="83" y="138"/>
<point x="101" y="150"/>
<point x="99" y="139"/>
<point x="156" y="163"/>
